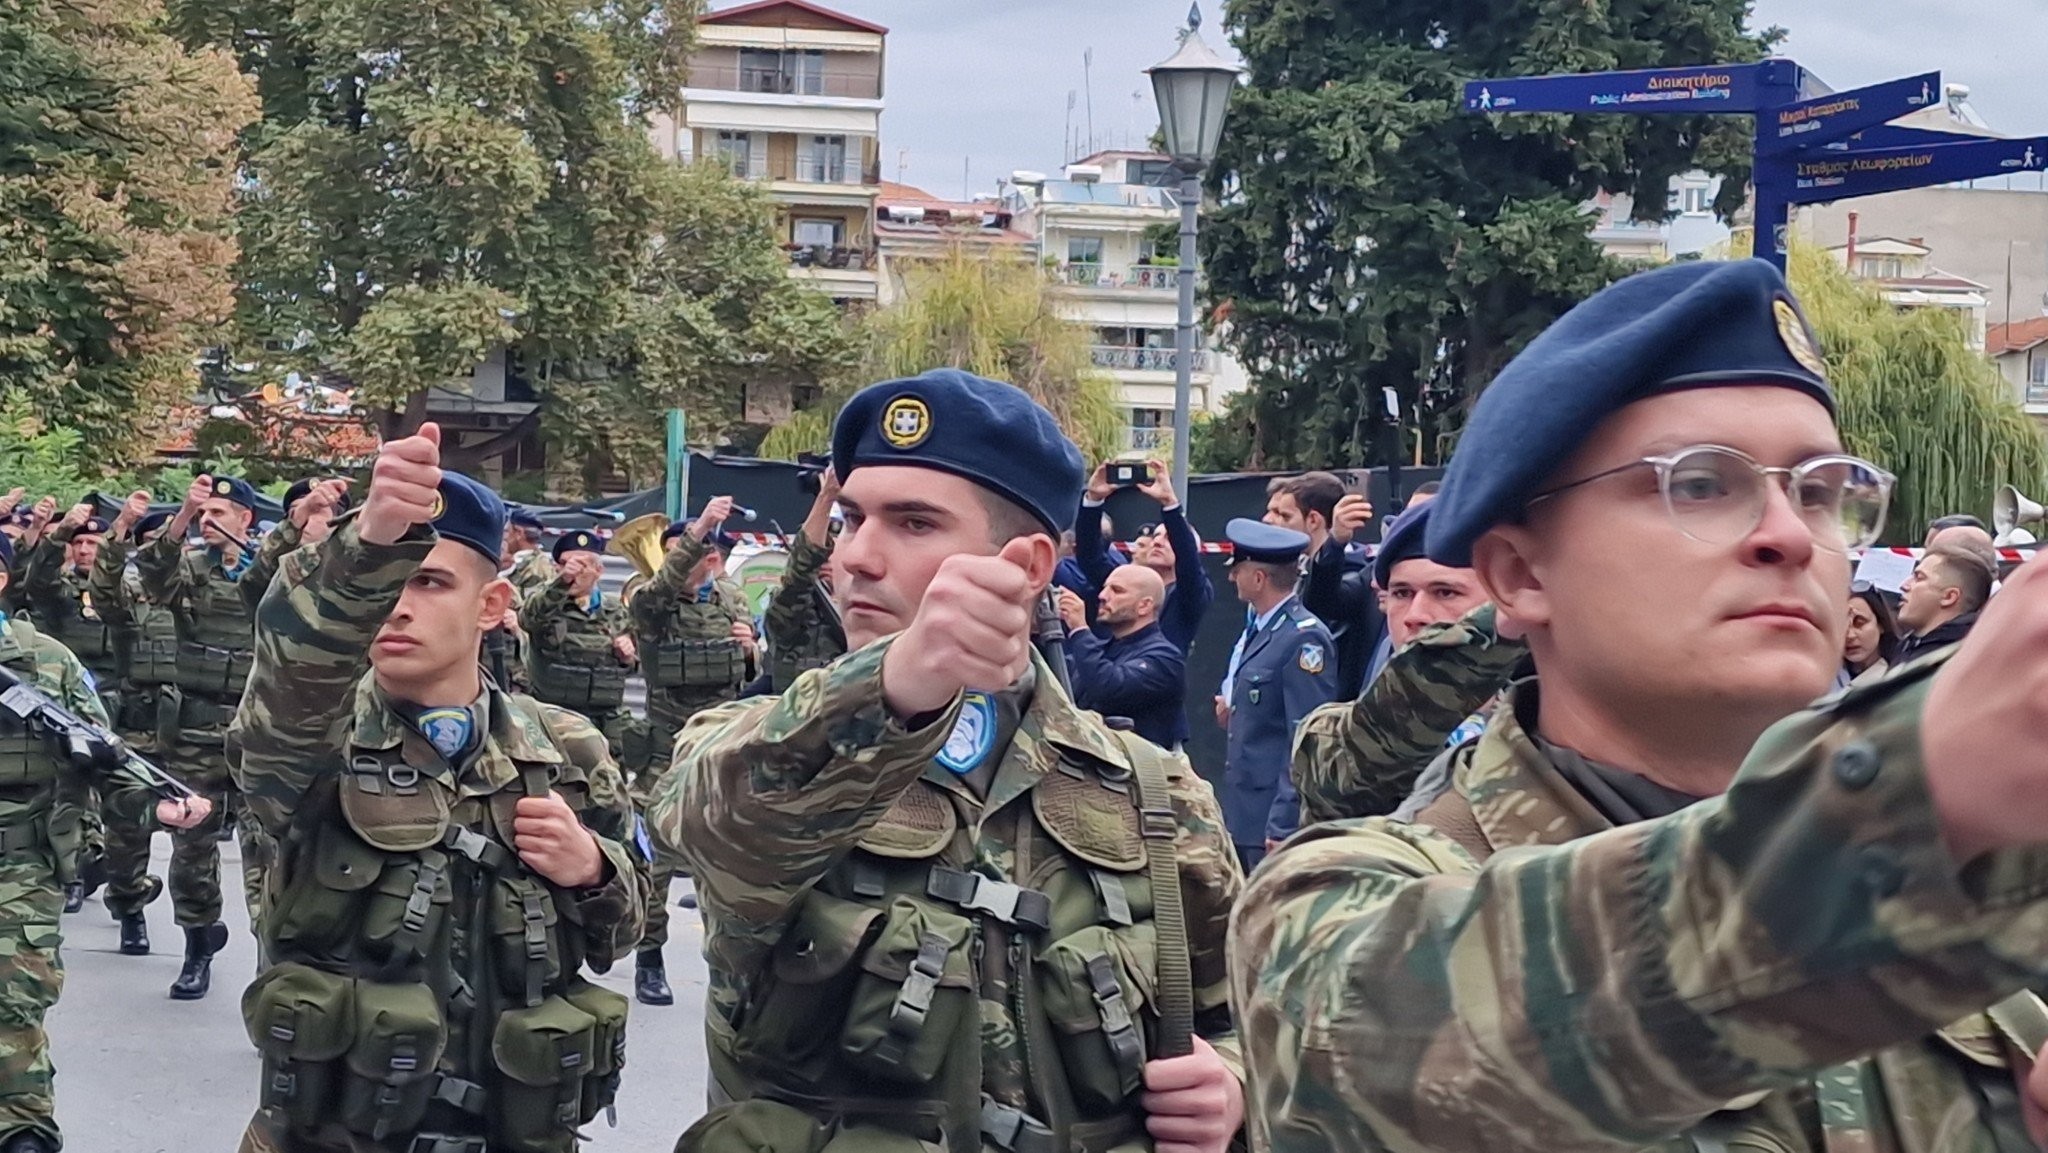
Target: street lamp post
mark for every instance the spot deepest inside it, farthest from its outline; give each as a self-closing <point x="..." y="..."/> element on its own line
<point x="1193" y="89"/>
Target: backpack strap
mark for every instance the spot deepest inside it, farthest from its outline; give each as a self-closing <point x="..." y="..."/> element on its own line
<point x="1160" y="828"/>
<point x="1451" y="815"/>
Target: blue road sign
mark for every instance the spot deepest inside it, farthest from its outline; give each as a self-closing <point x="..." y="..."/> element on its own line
<point x="1825" y="119"/>
<point x="1679" y="91"/>
<point x="1827" y="175"/>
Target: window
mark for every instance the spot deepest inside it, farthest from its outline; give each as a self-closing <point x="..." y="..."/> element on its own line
<point x="793" y="73"/>
<point x="817" y="231"/>
<point x="1084" y="250"/>
<point x="1882" y="267"/>
<point x="736" y="151"/>
<point x="2037" y="368"/>
<point x="822" y="160"/>
<point x="1156" y="173"/>
<point x="1696" y="201"/>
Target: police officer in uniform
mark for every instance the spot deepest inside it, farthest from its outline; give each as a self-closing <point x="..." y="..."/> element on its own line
<point x="1670" y="902"/>
<point x="942" y="903"/>
<point x="41" y="790"/>
<point x="1280" y="671"/>
<point x="696" y="643"/>
<point x="215" y="624"/>
<point x="579" y="647"/>
<point x="146" y="644"/>
<point x="454" y="856"/>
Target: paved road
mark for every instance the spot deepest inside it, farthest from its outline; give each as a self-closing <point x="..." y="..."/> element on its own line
<point x="139" y="1073"/>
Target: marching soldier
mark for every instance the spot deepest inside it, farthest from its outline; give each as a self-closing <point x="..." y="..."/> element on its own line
<point x="521" y="558"/>
<point x="39" y="832"/>
<point x="803" y="627"/>
<point x="310" y="506"/>
<point x="146" y="636"/>
<point x="1668" y="902"/>
<point x="696" y="643"/>
<point x="215" y="638"/>
<point x="579" y="649"/>
<point x="454" y="855"/>
<point x="943" y="904"/>
<point x="24" y="528"/>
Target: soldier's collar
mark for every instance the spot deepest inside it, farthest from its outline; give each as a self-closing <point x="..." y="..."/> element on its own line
<point x="1517" y="795"/>
<point x="517" y="731"/>
<point x="1056" y="719"/>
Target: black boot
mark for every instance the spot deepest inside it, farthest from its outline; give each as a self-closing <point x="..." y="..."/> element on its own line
<point x="201" y="943"/>
<point x="74" y="896"/>
<point x="27" y="1143"/>
<point x="650" y="981"/>
<point x="688" y="900"/>
<point x="134" y="934"/>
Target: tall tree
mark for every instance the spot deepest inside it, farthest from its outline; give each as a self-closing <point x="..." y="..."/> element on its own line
<point x="116" y="159"/>
<point x="1371" y="234"/>
<point x="1918" y="400"/>
<point x="429" y="183"/>
<point x="992" y="316"/>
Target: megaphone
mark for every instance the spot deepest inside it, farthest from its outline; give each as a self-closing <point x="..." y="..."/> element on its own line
<point x="2012" y="513"/>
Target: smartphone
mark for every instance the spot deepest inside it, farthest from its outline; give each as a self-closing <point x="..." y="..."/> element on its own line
<point x="1355" y="480"/>
<point x="1128" y="473"/>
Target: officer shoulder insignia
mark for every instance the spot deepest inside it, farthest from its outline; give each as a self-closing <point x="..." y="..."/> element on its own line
<point x="973" y="735"/>
<point x="906" y="422"/>
<point x="1312" y="658"/>
<point x="1792" y="331"/>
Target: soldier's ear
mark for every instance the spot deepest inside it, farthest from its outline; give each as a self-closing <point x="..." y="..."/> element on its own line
<point x="492" y="605"/>
<point x="1501" y="560"/>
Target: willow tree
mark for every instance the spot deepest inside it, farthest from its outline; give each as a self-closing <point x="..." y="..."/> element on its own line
<point x="1917" y="399"/>
<point x="993" y="317"/>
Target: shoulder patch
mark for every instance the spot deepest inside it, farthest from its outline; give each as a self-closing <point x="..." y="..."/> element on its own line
<point x="1312" y="658"/>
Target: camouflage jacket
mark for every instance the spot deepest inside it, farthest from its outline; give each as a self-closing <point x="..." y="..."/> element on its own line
<point x="270" y="551"/>
<point x="531" y="571"/>
<point x="666" y="609"/>
<point x="1360" y="758"/>
<point x="804" y="632"/>
<point x="62" y="602"/>
<point x="787" y="808"/>
<point x="49" y="666"/>
<point x="1766" y="969"/>
<point x="312" y="703"/>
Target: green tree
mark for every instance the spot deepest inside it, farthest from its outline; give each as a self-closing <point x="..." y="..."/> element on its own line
<point x="116" y="156"/>
<point x="991" y="316"/>
<point x="1917" y="399"/>
<point x="1370" y="234"/>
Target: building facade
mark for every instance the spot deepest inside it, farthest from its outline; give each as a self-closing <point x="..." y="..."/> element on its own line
<point x="1106" y="231"/>
<point x="790" y="94"/>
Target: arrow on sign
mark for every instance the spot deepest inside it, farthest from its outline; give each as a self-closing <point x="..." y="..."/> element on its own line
<point x="1827" y="175"/>
<point x="1679" y="91"/>
<point x="1811" y="123"/>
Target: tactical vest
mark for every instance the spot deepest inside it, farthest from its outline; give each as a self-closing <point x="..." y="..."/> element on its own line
<point x="693" y="649"/>
<point x="426" y="984"/>
<point x="216" y="636"/>
<point x="574" y="665"/>
<point x="153" y="649"/>
<point x="73" y="620"/>
<point x="29" y="767"/>
<point x="866" y="1023"/>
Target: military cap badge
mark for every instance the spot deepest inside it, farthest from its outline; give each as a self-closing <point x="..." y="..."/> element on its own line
<point x="906" y="422"/>
<point x="1792" y="330"/>
<point x="223" y="488"/>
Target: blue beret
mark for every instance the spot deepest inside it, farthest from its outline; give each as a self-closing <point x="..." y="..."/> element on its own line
<point x="1403" y="541"/>
<point x="1699" y="324"/>
<point x="720" y="539"/>
<point x="525" y="518"/>
<point x="93" y="526"/>
<point x="148" y="524"/>
<point x="235" y="489"/>
<point x="304" y="485"/>
<point x="6" y="551"/>
<point x="982" y="430"/>
<point x="471" y="514"/>
<point x="1254" y="540"/>
<point x="22" y="516"/>
<point x="582" y="540"/>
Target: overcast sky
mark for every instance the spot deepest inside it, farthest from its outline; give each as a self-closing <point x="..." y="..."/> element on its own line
<point x="978" y="88"/>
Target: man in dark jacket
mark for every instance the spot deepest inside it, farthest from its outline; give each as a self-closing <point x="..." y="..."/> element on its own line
<point x="1336" y="583"/>
<point x="1939" y="602"/>
<point x="1138" y="673"/>
<point x="1169" y="548"/>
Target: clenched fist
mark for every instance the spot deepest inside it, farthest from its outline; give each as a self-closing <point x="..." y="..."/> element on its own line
<point x="405" y="487"/>
<point x="184" y="812"/>
<point x="554" y="843"/>
<point x="1352" y="513"/>
<point x="972" y="631"/>
<point x="132" y="512"/>
<point x="715" y="514"/>
<point x="76" y="516"/>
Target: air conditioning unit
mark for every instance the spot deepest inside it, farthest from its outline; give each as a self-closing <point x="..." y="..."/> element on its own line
<point x="904" y="214"/>
<point x="1024" y="177"/>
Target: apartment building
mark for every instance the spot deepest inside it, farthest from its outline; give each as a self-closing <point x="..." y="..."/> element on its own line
<point x="1107" y="232"/>
<point x="790" y="94"/>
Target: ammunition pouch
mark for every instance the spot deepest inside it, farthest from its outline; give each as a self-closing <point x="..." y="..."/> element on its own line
<point x="559" y="1062"/>
<point x="338" y="1048"/>
<point x="153" y="659"/>
<point x="179" y="712"/>
<point x="679" y="664"/>
<point x="914" y="992"/>
<point x="1094" y="985"/>
<point x="582" y="688"/>
<point x="26" y="757"/>
<point x="213" y="671"/>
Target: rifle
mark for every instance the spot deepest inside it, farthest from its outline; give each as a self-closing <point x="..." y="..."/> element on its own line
<point x="85" y="743"/>
<point x="1049" y="636"/>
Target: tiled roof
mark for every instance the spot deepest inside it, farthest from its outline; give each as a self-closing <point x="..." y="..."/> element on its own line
<point x="2015" y="337"/>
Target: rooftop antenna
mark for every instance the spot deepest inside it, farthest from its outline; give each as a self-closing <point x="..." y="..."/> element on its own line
<point x="902" y="162"/>
<point x="1088" y="91"/>
<point x="1067" y="134"/>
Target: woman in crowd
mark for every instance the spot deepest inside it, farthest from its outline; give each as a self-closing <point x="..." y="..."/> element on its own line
<point x="1872" y="637"/>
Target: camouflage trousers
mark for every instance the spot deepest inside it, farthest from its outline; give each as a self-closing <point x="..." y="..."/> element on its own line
<point x="195" y="852"/>
<point x="31" y="977"/>
<point x="664" y="719"/>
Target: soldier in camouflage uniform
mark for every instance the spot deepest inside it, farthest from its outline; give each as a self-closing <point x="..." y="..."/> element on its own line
<point x="41" y="792"/>
<point x="1661" y="907"/>
<point x="28" y="526"/>
<point x="216" y="637"/>
<point x="310" y="506"/>
<point x="453" y="855"/>
<point x="579" y="649"/>
<point x="59" y="573"/>
<point x="943" y="904"/>
<point x="803" y="627"/>
<point x="521" y="558"/>
<point x="695" y="637"/>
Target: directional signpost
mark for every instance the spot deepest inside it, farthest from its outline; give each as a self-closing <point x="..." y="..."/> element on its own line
<point x="1808" y="149"/>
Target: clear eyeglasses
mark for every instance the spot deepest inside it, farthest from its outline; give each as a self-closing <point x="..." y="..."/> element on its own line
<point x="1717" y="495"/>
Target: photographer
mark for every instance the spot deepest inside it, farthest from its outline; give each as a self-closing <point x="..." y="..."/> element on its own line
<point x="1168" y="547"/>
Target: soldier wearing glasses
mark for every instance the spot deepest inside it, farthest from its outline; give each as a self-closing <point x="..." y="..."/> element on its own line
<point x="1818" y="951"/>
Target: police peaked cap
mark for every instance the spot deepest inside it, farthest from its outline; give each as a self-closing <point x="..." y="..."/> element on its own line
<point x="582" y="540"/>
<point x="471" y="514"/>
<point x="1698" y="324"/>
<point x="1403" y="541"/>
<point x="1253" y="540"/>
<point x="981" y="430"/>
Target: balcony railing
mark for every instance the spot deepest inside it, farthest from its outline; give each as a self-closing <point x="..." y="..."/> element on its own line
<point x="1150" y="439"/>
<point x="787" y="81"/>
<point x="2037" y="392"/>
<point x="753" y="166"/>
<point x="1140" y="276"/>
<point x="1126" y="358"/>
<point x="831" y="256"/>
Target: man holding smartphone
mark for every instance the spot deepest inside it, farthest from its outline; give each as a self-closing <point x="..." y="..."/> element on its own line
<point x="1167" y="546"/>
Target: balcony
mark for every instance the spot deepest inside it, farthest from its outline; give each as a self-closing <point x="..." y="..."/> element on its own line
<point x="812" y="170"/>
<point x="1126" y="358"/>
<point x="1149" y="439"/>
<point x="1086" y="274"/>
<point x="765" y="81"/>
<point x="831" y="257"/>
